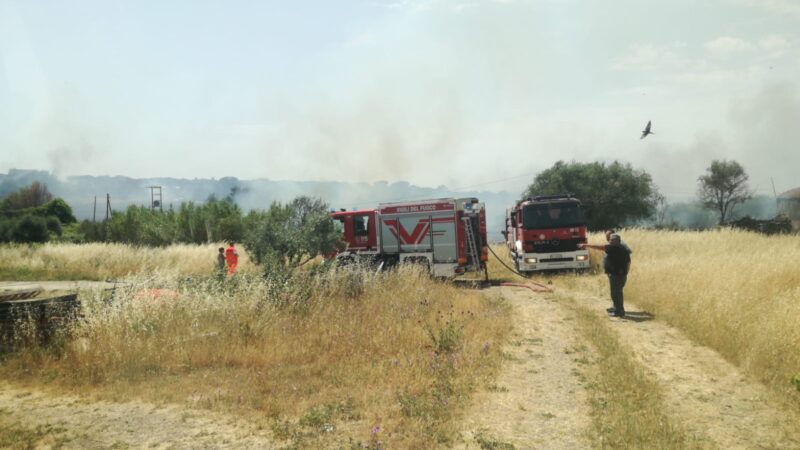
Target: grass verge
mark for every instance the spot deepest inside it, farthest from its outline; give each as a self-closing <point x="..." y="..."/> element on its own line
<point x="14" y="435"/>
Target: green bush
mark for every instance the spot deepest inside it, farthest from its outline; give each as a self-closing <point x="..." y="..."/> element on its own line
<point x="53" y="225"/>
<point x="291" y="234"/>
<point x="60" y="209"/>
<point x="6" y="228"/>
<point x="30" y="228"/>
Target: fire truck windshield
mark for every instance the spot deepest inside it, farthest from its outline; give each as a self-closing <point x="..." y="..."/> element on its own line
<point x="552" y="215"/>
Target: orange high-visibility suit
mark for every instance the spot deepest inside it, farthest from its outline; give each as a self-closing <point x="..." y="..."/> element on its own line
<point x="232" y="259"/>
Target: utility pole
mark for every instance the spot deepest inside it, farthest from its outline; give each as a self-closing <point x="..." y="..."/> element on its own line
<point x="108" y="206"/>
<point x="155" y="198"/>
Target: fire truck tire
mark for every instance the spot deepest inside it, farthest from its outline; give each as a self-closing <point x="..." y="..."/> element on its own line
<point x="345" y="260"/>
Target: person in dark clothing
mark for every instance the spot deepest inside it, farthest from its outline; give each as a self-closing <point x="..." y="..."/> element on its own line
<point x="221" y="262"/>
<point x="609" y="232"/>
<point x="616" y="263"/>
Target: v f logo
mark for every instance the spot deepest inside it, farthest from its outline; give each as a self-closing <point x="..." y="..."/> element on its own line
<point x="417" y="235"/>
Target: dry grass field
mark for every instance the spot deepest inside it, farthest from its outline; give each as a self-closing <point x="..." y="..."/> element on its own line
<point x="108" y="261"/>
<point x="330" y="359"/>
<point x="734" y="291"/>
<point x="737" y="292"/>
<point x="353" y="358"/>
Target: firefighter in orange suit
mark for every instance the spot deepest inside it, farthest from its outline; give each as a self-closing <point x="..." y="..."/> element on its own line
<point x="232" y="259"/>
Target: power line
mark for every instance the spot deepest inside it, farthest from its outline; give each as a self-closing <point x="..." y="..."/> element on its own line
<point x="493" y="182"/>
<point x="448" y="189"/>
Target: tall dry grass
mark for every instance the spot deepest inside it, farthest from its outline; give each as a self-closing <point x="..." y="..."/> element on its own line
<point x="329" y="359"/>
<point x="97" y="261"/>
<point x="735" y="291"/>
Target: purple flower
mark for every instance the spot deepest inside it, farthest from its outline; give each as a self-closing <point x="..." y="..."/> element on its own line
<point x="376" y="429"/>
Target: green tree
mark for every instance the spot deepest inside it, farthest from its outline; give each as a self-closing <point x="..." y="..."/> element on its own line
<point x="139" y="225"/>
<point x="214" y="221"/>
<point x="289" y="235"/>
<point x="31" y="196"/>
<point x="30" y="228"/>
<point x="54" y="225"/>
<point x="723" y="187"/>
<point x="60" y="209"/>
<point x="614" y="194"/>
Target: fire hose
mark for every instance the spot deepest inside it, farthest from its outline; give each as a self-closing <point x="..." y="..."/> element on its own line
<point x="532" y="285"/>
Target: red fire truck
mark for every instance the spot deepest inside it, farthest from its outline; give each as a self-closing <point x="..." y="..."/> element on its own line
<point x="543" y="233"/>
<point x="446" y="235"/>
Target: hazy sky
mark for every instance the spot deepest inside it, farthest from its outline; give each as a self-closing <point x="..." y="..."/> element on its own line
<point x="433" y="92"/>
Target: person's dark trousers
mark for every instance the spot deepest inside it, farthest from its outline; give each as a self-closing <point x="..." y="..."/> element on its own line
<point x="617" y="282"/>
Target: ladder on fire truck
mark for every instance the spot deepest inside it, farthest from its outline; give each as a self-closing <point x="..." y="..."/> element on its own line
<point x="472" y="246"/>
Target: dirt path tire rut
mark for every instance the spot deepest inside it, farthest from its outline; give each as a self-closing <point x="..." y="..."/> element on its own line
<point x="704" y="393"/>
<point x="538" y="400"/>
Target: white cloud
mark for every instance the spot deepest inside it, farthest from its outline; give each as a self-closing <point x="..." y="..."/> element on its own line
<point x="650" y="56"/>
<point x="774" y="44"/>
<point x="728" y="45"/>
<point x="783" y="7"/>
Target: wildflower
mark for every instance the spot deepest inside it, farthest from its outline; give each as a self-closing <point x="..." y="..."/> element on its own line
<point x="376" y="429"/>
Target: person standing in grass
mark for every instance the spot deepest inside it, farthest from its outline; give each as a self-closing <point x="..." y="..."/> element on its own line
<point x="609" y="232"/>
<point x="221" y="262"/>
<point x="232" y="258"/>
<point x="616" y="263"/>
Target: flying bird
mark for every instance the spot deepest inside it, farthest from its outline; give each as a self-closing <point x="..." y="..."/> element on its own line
<point x="646" y="131"/>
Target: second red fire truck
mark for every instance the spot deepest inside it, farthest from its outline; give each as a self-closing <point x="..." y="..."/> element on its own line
<point x="446" y="235"/>
<point x="543" y="233"/>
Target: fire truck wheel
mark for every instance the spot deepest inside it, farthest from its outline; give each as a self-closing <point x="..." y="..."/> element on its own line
<point x="345" y="260"/>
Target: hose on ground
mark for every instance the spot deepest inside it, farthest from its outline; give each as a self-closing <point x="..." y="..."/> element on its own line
<point x="504" y="264"/>
<point x="532" y="285"/>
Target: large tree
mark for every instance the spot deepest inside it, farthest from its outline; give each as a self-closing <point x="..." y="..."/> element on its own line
<point x="288" y="235"/>
<point x="31" y="196"/>
<point x="723" y="187"/>
<point x="614" y="194"/>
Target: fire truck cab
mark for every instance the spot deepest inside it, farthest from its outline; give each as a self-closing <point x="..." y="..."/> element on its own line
<point x="543" y="233"/>
<point x="446" y="235"/>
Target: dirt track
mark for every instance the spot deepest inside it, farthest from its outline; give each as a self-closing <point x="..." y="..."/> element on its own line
<point x="84" y="424"/>
<point x="58" y="285"/>
<point x="540" y="401"/>
<point x="709" y="396"/>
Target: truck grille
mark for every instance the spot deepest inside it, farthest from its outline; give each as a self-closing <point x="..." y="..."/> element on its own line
<point x="554" y="246"/>
<point x="553" y="260"/>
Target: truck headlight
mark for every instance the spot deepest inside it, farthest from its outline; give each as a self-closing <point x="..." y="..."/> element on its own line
<point x="530" y="260"/>
<point x="581" y="257"/>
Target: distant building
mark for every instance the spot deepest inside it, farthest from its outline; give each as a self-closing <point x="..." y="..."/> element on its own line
<point x="789" y="204"/>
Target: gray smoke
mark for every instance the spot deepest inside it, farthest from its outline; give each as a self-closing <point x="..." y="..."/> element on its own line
<point x="64" y="159"/>
<point x="767" y="135"/>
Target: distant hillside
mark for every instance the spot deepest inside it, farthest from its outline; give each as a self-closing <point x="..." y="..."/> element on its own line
<point x="79" y="192"/>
